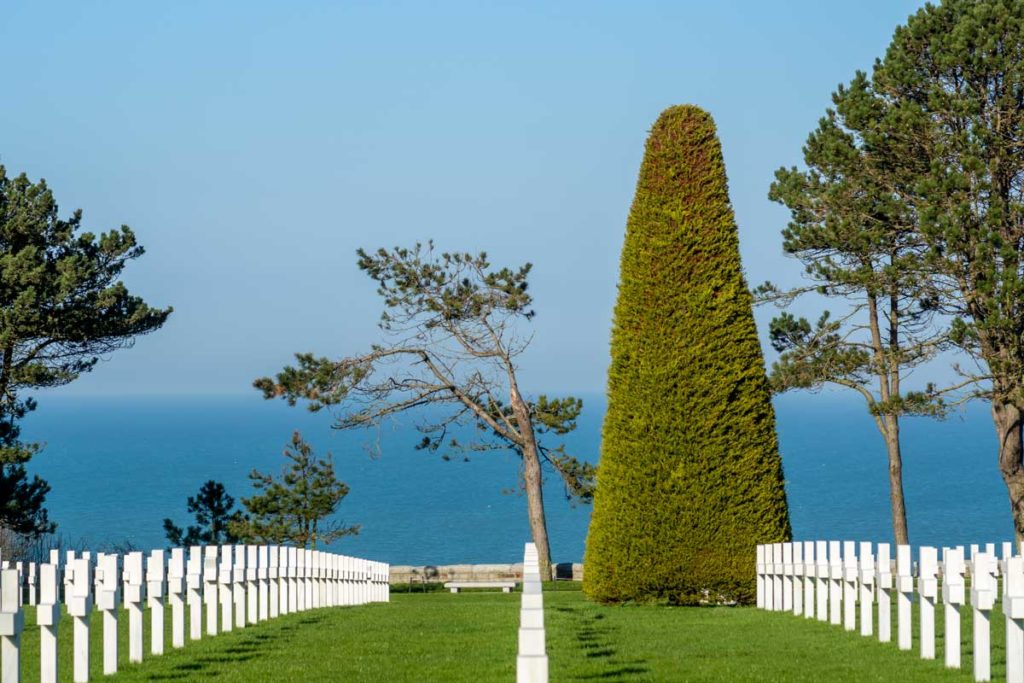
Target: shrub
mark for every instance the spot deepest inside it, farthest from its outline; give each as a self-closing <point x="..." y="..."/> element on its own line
<point x="690" y="477"/>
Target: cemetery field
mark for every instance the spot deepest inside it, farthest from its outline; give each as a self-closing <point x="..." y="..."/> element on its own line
<point x="437" y="636"/>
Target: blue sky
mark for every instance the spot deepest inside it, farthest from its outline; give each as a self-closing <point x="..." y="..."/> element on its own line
<point x="253" y="146"/>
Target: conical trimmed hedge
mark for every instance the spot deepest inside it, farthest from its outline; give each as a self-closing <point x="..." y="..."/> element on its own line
<point x="690" y="477"/>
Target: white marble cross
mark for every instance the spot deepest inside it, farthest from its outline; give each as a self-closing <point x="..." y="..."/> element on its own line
<point x="787" y="576"/>
<point x="532" y="661"/>
<point x="1013" y="609"/>
<point x="904" y="597"/>
<point x="238" y="586"/>
<point x="176" y="596"/>
<point x="224" y="578"/>
<point x="285" y="587"/>
<point x="953" y="596"/>
<point x="849" y="585"/>
<point x="822" y="583"/>
<point x="809" y="580"/>
<point x="306" y="575"/>
<point x="760" y="570"/>
<point x="12" y="623"/>
<point x="108" y="601"/>
<point x="276" y="584"/>
<point x="252" y="605"/>
<point x="867" y="583"/>
<point x="778" y="601"/>
<point x="885" y="584"/>
<point x="155" y="576"/>
<point x="984" y="590"/>
<point x="48" y="618"/>
<point x="928" y="589"/>
<point x="835" y="583"/>
<point x="798" y="578"/>
<point x="134" y="581"/>
<point x="264" y="583"/>
<point x="293" y="580"/>
<point x="78" y="575"/>
<point x="210" y="576"/>
<point x="194" y="591"/>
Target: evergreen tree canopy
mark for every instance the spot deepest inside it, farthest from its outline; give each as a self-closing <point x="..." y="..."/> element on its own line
<point x="62" y="307"/>
<point x="690" y="478"/>
<point x="214" y="511"/>
<point x="857" y="239"/>
<point x="297" y="507"/>
<point x="941" y="113"/>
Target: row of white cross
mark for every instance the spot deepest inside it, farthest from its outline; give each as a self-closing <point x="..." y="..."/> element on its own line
<point x="238" y="585"/>
<point x="828" y="580"/>
<point x="532" y="662"/>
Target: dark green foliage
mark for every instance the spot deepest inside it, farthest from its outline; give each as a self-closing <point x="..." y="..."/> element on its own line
<point x="214" y="511"/>
<point x="62" y="307"/>
<point x="857" y="240"/>
<point x="690" y="478"/>
<point x="295" y="508"/>
<point x="23" y="498"/>
<point x="941" y="115"/>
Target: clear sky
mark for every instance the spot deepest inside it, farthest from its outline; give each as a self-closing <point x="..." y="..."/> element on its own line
<point x="253" y="146"/>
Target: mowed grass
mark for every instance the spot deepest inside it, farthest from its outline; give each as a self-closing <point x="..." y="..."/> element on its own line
<point x="646" y="643"/>
<point x="473" y="637"/>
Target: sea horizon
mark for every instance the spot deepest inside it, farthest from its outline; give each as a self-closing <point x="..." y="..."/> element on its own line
<point x="119" y="464"/>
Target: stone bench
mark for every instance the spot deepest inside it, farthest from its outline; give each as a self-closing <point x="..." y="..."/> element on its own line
<point x="505" y="586"/>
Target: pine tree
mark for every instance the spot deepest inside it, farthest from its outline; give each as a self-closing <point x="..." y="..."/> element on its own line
<point x="454" y="328"/>
<point x="297" y="507"/>
<point x="690" y="477"/>
<point x="63" y="306"/>
<point x="946" y="98"/>
<point x="858" y="242"/>
<point x="214" y="511"/>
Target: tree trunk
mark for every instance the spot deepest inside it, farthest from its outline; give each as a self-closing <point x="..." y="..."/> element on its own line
<point x="1007" y="419"/>
<point x="533" y="483"/>
<point x="535" y="505"/>
<point x="896" y="497"/>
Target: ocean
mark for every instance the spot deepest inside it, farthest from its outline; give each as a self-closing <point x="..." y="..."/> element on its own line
<point x="119" y="466"/>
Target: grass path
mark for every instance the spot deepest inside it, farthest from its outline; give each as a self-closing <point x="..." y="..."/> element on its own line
<point x="633" y="643"/>
<point x="472" y="637"/>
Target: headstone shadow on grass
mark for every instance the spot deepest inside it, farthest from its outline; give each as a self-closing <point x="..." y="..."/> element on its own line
<point x="251" y="646"/>
<point x="597" y="638"/>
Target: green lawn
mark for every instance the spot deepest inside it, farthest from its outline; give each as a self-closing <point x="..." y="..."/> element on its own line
<point x="472" y="637"/>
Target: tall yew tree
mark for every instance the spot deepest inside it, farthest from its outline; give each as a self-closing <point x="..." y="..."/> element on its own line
<point x="62" y="307"/>
<point x="690" y="478"/>
<point x="948" y="98"/>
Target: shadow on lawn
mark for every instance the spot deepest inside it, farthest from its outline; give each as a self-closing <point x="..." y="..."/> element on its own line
<point x="596" y="639"/>
<point x="249" y="646"/>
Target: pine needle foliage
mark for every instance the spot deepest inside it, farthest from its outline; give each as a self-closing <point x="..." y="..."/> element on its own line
<point x="690" y="477"/>
<point x="298" y="506"/>
<point x="63" y="307"/>
<point x="214" y="511"/>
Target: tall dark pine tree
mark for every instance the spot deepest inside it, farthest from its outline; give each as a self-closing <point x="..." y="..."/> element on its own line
<point x="62" y="307"/>
<point x="690" y="478"/>
<point x="214" y="511"/>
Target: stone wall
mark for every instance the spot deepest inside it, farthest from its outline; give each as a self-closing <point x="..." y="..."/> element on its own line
<point x="476" y="572"/>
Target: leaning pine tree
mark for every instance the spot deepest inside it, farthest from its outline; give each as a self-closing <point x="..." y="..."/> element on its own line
<point x="690" y="477"/>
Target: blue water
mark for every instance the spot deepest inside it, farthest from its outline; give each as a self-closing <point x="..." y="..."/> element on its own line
<point x="118" y="466"/>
